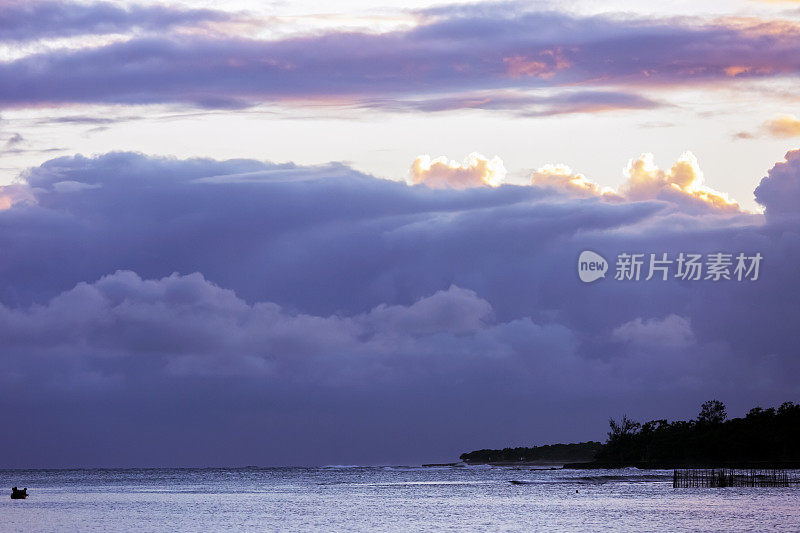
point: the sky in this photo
(273, 234)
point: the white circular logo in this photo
(591, 266)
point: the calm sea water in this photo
(384, 499)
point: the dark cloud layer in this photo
(29, 21)
(240, 312)
(492, 48)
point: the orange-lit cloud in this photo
(683, 181)
(645, 181)
(441, 173)
(759, 28)
(734, 71)
(563, 178)
(544, 65)
(783, 126)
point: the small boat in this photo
(19, 494)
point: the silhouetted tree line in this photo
(583, 451)
(762, 436)
(765, 437)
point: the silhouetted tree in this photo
(622, 445)
(625, 427)
(764, 436)
(788, 408)
(712, 412)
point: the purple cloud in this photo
(494, 48)
(286, 306)
(779, 191)
(28, 21)
(188, 326)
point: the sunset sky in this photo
(274, 233)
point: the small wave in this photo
(401, 484)
(599, 480)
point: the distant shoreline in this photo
(546, 455)
(760, 465)
(554, 464)
(595, 465)
(763, 439)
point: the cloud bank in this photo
(499, 47)
(246, 309)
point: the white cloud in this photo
(671, 331)
(441, 173)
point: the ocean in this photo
(390, 498)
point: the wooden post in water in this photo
(728, 477)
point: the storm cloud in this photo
(280, 305)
